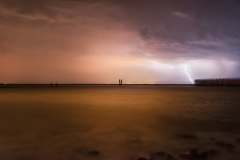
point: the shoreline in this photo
(80, 85)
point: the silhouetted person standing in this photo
(121, 82)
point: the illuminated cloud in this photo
(75, 41)
(180, 14)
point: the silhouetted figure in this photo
(121, 82)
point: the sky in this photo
(101, 41)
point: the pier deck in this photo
(218, 82)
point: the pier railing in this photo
(218, 82)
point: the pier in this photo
(234, 82)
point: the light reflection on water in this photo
(120, 122)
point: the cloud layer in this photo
(80, 41)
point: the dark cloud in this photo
(31, 8)
(65, 34)
(186, 22)
(144, 33)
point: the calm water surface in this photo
(125, 122)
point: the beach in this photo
(119, 122)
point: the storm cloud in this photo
(81, 41)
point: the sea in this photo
(111, 122)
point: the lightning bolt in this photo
(183, 67)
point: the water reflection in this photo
(114, 122)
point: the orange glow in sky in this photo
(102, 41)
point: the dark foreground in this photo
(111, 122)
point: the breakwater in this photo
(218, 82)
